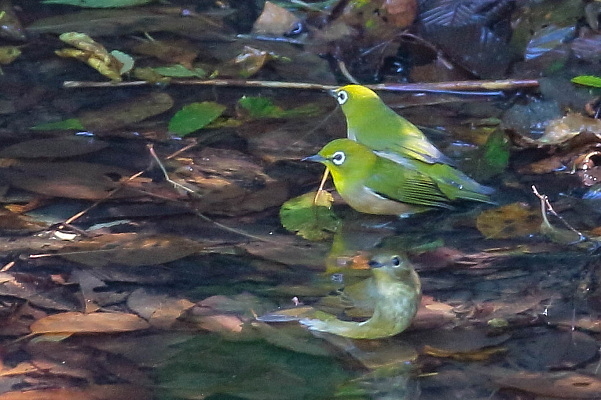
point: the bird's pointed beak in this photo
(375, 264)
(314, 158)
(332, 92)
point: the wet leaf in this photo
(563, 129)
(9, 54)
(16, 223)
(92, 53)
(161, 311)
(99, 3)
(475, 355)
(54, 147)
(569, 385)
(127, 112)
(67, 124)
(556, 349)
(509, 221)
(249, 62)
(228, 182)
(310, 215)
(91, 392)
(130, 250)
(109, 22)
(588, 80)
(37, 291)
(75, 180)
(262, 107)
(127, 61)
(179, 71)
(75, 322)
(194, 117)
(274, 20)
(180, 52)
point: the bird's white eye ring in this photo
(396, 261)
(342, 97)
(338, 158)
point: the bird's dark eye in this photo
(341, 97)
(338, 158)
(396, 261)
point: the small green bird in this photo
(375, 125)
(395, 293)
(373, 184)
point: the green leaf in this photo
(310, 217)
(491, 159)
(261, 107)
(496, 151)
(67, 124)
(125, 59)
(588, 80)
(194, 117)
(179, 71)
(99, 3)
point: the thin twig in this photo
(546, 207)
(433, 87)
(105, 198)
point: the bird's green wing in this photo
(453, 183)
(413, 143)
(457, 185)
(405, 185)
(421, 150)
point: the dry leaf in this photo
(76, 322)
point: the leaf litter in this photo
(500, 284)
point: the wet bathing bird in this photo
(373, 184)
(395, 293)
(375, 125)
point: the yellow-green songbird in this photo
(375, 125)
(376, 185)
(395, 291)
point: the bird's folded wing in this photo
(408, 186)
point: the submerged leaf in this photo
(8, 54)
(310, 216)
(179, 71)
(194, 117)
(76, 322)
(68, 146)
(66, 124)
(509, 221)
(274, 20)
(128, 112)
(99, 3)
(261, 107)
(131, 251)
(72, 179)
